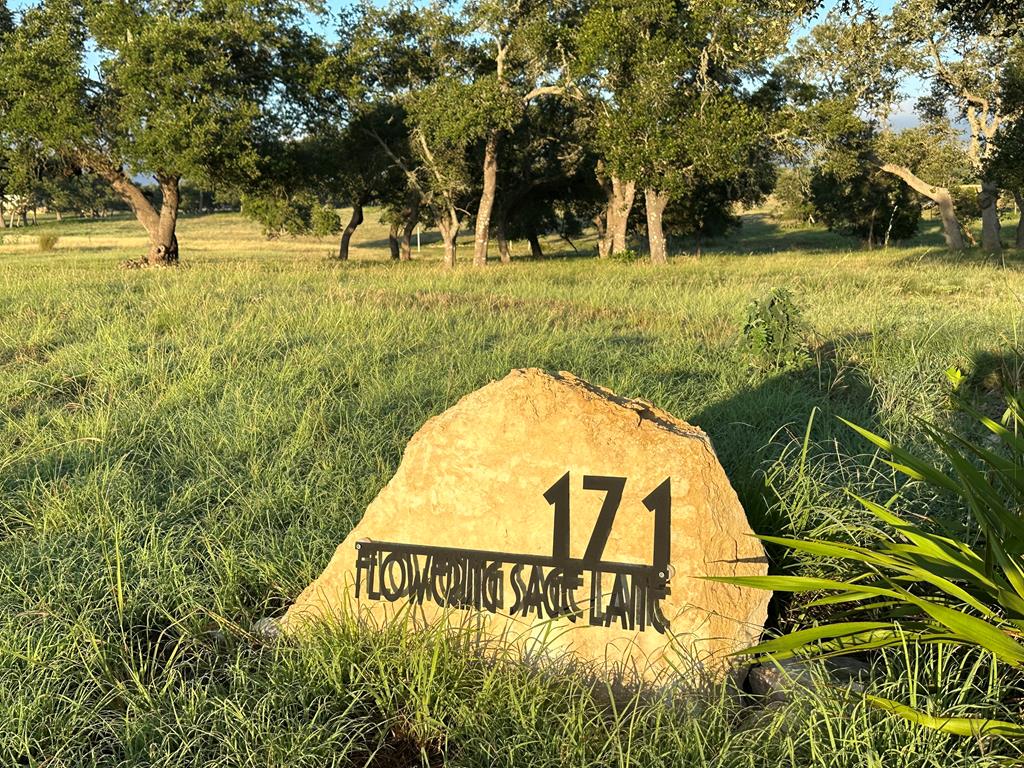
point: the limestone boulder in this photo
(556, 515)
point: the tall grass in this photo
(181, 451)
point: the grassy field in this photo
(181, 451)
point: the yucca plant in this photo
(941, 585)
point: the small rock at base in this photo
(267, 629)
(777, 681)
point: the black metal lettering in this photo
(558, 496)
(475, 579)
(612, 486)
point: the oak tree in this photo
(143, 88)
(668, 84)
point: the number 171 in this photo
(658, 501)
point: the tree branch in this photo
(414, 181)
(543, 90)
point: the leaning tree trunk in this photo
(3, 221)
(161, 227)
(483, 211)
(988, 199)
(448, 224)
(536, 251)
(393, 244)
(1018, 197)
(951, 229)
(620, 203)
(350, 228)
(411, 219)
(655, 202)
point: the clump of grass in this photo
(953, 582)
(47, 242)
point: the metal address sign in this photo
(547, 586)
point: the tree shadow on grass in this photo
(991, 376)
(772, 413)
(971, 257)
(560, 255)
(427, 237)
(749, 427)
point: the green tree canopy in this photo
(147, 87)
(863, 58)
(667, 82)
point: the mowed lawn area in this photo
(181, 450)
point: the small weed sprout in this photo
(775, 332)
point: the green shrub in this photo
(278, 215)
(792, 196)
(958, 584)
(324, 221)
(775, 332)
(47, 243)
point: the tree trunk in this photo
(393, 244)
(1018, 197)
(3, 221)
(57, 213)
(602, 234)
(951, 230)
(412, 218)
(483, 212)
(602, 221)
(163, 240)
(499, 232)
(988, 199)
(620, 203)
(536, 251)
(353, 224)
(655, 202)
(448, 224)
(163, 248)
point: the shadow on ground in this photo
(750, 427)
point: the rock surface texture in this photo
(489, 475)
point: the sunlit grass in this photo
(181, 450)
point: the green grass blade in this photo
(909, 464)
(959, 726)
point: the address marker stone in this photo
(554, 514)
